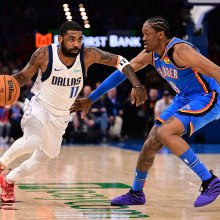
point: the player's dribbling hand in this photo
(140, 93)
(83, 104)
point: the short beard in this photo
(67, 52)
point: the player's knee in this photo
(32, 143)
(162, 134)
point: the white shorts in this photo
(54, 126)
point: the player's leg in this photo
(30, 141)
(145, 161)
(34, 165)
(169, 134)
(186, 121)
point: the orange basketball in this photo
(9, 90)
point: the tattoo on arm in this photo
(103, 56)
(39, 56)
(41, 53)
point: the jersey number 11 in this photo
(72, 91)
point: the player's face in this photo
(71, 43)
(150, 37)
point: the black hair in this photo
(159, 24)
(69, 25)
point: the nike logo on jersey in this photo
(63, 81)
(67, 121)
(156, 58)
(57, 69)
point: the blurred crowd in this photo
(19, 20)
(112, 117)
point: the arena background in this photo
(20, 21)
(85, 177)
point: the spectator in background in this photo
(97, 84)
(101, 118)
(4, 124)
(86, 91)
(114, 105)
(15, 114)
(5, 71)
(83, 132)
(150, 104)
(162, 104)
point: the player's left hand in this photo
(140, 93)
(83, 104)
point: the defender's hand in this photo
(83, 104)
(140, 93)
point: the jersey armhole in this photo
(171, 58)
(82, 62)
(48, 71)
(153, 62)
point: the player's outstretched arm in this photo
(39, 56)
(137, 63)
(95, 55)
(185, 55)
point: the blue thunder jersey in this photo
(186, 82)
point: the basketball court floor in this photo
(82, 181)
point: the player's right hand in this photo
(83, 104)
(140, 93)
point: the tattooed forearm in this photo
(20, 78)
(129, 72)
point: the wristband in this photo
(137, 86)
(121, 63)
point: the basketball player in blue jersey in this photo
(61, 72)
(196, 81)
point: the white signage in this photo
(115, 41)
(111, 41)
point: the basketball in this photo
(9, 90)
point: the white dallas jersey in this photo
(58, 87)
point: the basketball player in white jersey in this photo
(61, 72)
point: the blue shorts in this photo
(194, 113)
